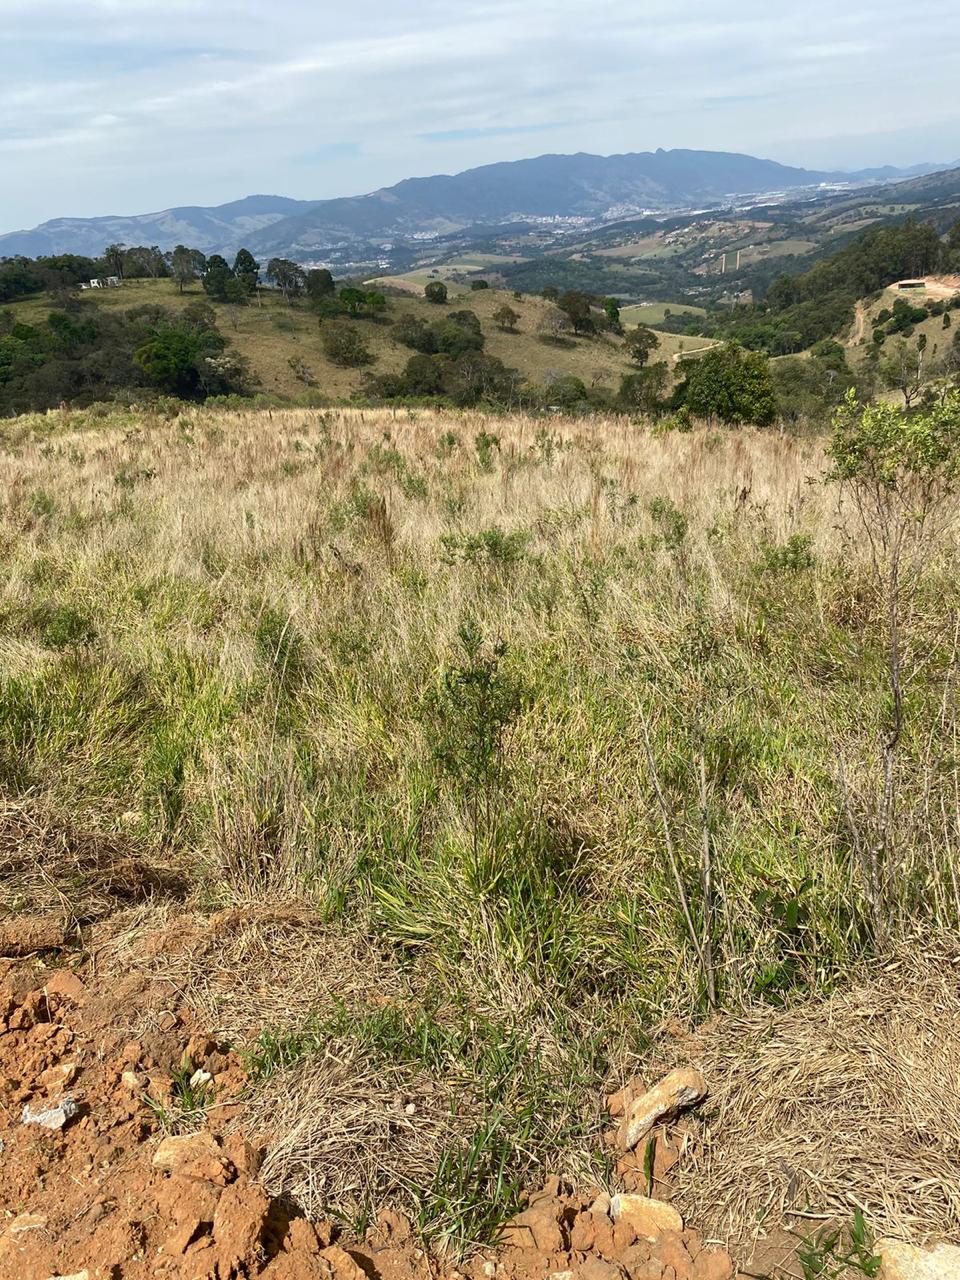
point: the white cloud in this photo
(120, 105)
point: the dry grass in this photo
(234, 642)
(832, 1106)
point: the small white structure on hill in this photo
(110, 282)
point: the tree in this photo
(362, 301)
(554, 325)
(506, 318)
(731, 384)
(576, 307)
(611, 308)
(900, 473)
(216, 277)
(169, 361)
(247, 270)
(287, 276)
(436, 291)
(550, 292)
(903, 368)
(477, 285)
(344, 345)
(641, 344)
(184, 265)
(319, 284)
(113, 256)
(644, 391)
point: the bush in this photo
(436, 291)
(731, 384)
(345, 346)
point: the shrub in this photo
(345, 346)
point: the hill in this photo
(283, 344)
(578, 186)
(217, 229)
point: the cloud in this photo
(125, 105)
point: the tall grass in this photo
(569, 716)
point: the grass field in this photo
(552, 731)
(654, 313)
(274, 333)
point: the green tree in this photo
(506, 318)
(247, 270)
(731, 384)
(640, 344)
(113, 258)
(576, 307)
(184, 265)
(169, 361)
(319, 284)
(344, 345)
(287, 276)
(216, 277)
(436, 291)
(645, 390)
(611, 309)
(477, 285)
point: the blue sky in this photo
(127, 106)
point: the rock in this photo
(26, 1222)
(77, 1275)
(54, 1116)
(680, 1089)
(536, 1228)
(131, 1081)
(594, 1268)
(342, 1265)
(66, 983)
(238, 1226)
(714, 1265)
(649, 1218)
(194, 1155)
(902, 1261)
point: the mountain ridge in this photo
(581, 185)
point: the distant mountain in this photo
(550, 186)
(223, 228)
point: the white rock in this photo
(77, 1275)
(26, 1222)
(649, 1218)
(51, 1117)
(680, 1089)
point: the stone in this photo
(26, 1222)
(537, 1227)
(54, 1116)
(194, 1155)
(342, 1265)
(65, 983)
(680, 1089)
(714, 1264)
(649, 1218)
(594, 1268)
(902, 1261)
(76, 1275)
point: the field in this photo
(479, 751)
(654, 313)
(272, 334)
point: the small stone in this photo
(77, 1275)
(66, 983)
(490, 1270)
(715, 1265)
(54, 1116)
(26, 1222)
(194, 1155)
(680, 1089)
(200, 1078)
(131, 1081)
(649, 1218)
(536, 1228)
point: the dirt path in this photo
(859, 326)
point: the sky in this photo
(130, 106)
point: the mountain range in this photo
(594, 188)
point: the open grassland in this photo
(552, 731)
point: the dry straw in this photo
(848, 1103)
